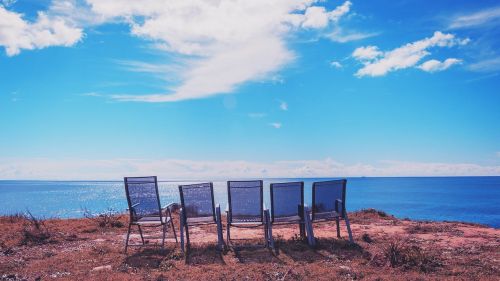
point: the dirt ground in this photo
(386, 248)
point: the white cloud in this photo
(377, 63)
(17, 34)
(226, 42)
(315, 17)
(173, 169)
(217, 45)
(318, 17)
(336, 64)
(283, 105)
(276, 125)
(487, 16)
(435, 65)
(492, 64)
(367, 53)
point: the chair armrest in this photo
(337, 203)
(133, 206)
(169, 205)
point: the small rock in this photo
(102, 267)
(345, 268)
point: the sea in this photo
(468, 199)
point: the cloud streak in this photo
(175, 169)
(378, 63)
(276, 125)
(477, 19)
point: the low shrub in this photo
(107, 219)
(34, 231)
(366, 237)
(400, 254)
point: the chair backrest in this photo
(324, 195)
(142, 197)
(245, 200)
(197, 200)
(287, 199)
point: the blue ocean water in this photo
(470, 199)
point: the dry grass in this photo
(35, 231)
(400, 253)
(429, 227)
(393, 253)
(107, 219)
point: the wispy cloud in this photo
(14, 96)
(335, 64)
(340, 36)
(487, 65)
(172, 169)
(257, 115)
(159, 70)
(379, 63)
(276, 125)
(283, 105)
(489, 16)
(91, 94)
(8, 3)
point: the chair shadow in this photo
(152, 258)
(251, 254)
(341, 248)
(298, 250)
(204, 254)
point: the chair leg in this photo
(228, 233)
(140, 232)
(348, 228)
(188, 245)
(220, 237)
(268, 231)
(173, 228)
(269, 226)
(266, 235)
(302, 230)
(338, 227)
(128, 235)
(181, 220)
(309, 229)
(164, 227)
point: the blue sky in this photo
(191, 89)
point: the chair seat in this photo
(152, 220)
(326, 215)
(200, 220)
(288, 219)
(246, 219)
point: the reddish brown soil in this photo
(387, 249)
